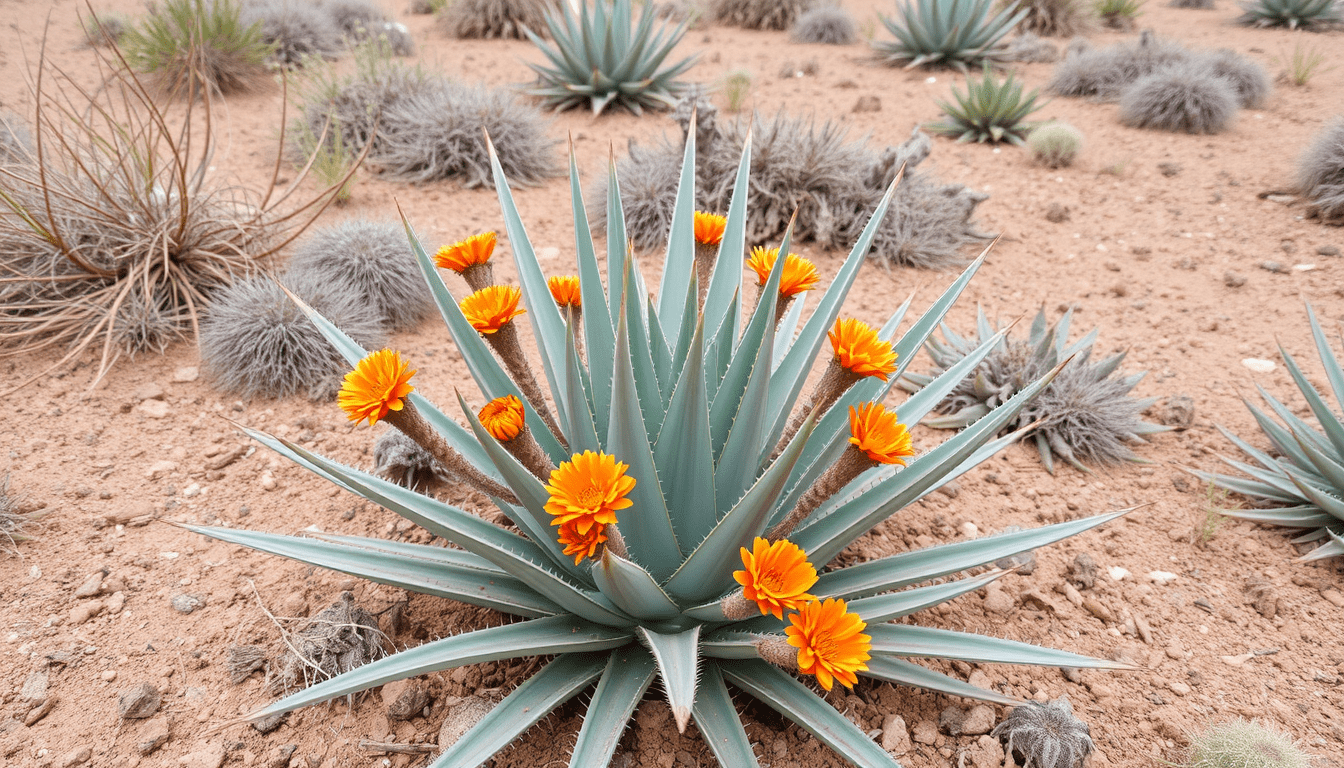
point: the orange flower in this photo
(709, 228)
(799, 274)
(777, 576)
(565, 291)
(830, 642)
(376, 386)
(582, 545)
(875, 431)
(476, 249)
(858, 348)
(503, 417)
(588, 490)
(489, 309)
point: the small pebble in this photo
(1117, 573)
(1161, 578)
(1259, 365)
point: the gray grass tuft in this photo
(16, 518)
(360, 20)
(796, 164)
(1030, 49)
(829, 25)
(16, 142)
(376, 260)
(492, 19)
(1245, 744)
(1086, 414)
(1248, 79)
(296, 30)
(1046, 735)
(1055, 145)
(255, 342)
(341, 637)
(1199, 5)
(1054, 18)
(104, 28)
(1320, 174)
(1183, 98)
(759, 14)
(1106, 72)
(400, 459)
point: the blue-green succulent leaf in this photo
(933, 643)
(904, 672)
(718, 723)
(683, 453)
(632, 589)
(677, 655)
(630, 670)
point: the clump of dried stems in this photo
(114, 232)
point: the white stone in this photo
(1258, 365)
(162, 467)
(186, 374)
(969, 530)
(1161, 578)
(154, 409)
(1117, 573)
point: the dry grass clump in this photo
(759, 14)
(1055, 145)
(1029, 48)
(799, 165)
(376, 260)
(1320, 174)
(103, 28)
(16, 519)
(117, 235)
(1247, 78)
(1188, 98)
(341, 637)
(1106, 72)
(256, 342)
(403, 461)
(1054, 18)
(1199, 5)
(16, 143)
(418, 127)
(187, 46)
(494, 19)
(296, 30)
(829, 25)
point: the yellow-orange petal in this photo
(858, 348)
(709, 228)
(776, 576)
(581, 545)
(830, 642)
(875, 431)
(503, 417)
(476, 249)
(588, 491)
(490, 308)
(378, 384)
(565, 291)
(799, 274)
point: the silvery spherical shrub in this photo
(1055, 145)
(375, 260)
(1181, 98)
(1320, 174)
(830, 25)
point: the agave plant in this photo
(674, 450)
(991, 110)
(602, 56)
(1289, 13)
(1084, 415)
(957, 33)
(1301, 483)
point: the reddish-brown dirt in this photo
(1142, 255)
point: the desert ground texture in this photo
(1161, 240)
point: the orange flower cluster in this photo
(875, 431)
(503, 417)
(377, 385)
(565, 291)
(858, 348)
(709, 228)
(476, 249)
(799, 274)
(490, 309)
(830, 646)
(586, 493)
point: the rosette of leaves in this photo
(1086, 414)
(956, 33)
(1299, 483)
(991, 110)
(693, 397)
(602, 56)
(1290, 13)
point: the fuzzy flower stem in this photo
(777, 651)
(852, 463)
(479, 276)
(705, 256)
(835, 382)
(529, 453)
(615, 542)
(737, 607)
(413, 425)
(510, 350)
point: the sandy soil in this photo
(1142, 255)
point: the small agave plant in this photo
(1290, 13)
(1301, 483)
(601, 56)
(991, 110)
(674, 511)
(954, 33)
